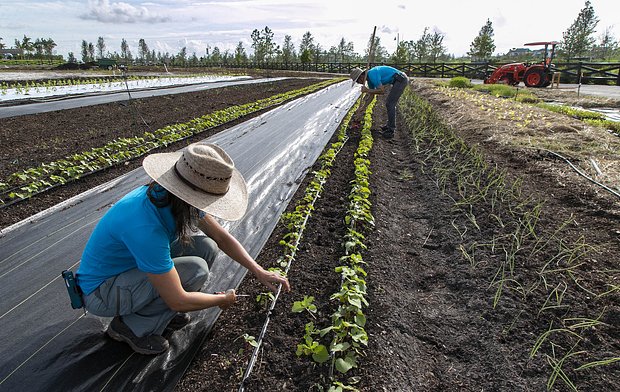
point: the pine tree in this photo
(436, 48)
(100, 47)
(344, 50)
(607, 45)
(306, 48)
(577, 40)
(125, 54)
(288, 49)
(420, 48)
(483, 45)
(379, 53)
(240, 55)
(143, 50)
(85, 58)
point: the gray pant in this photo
(400, 82)
(132, 296)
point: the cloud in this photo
(119, 12)
(387, 30)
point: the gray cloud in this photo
(387, 30)
(119, 12)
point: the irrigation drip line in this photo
(263, 331)
(583, 174)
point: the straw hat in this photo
(355, 73)
(202, 175)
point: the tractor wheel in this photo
(534, 78)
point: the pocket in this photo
(124, 301)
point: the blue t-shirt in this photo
(134, 233)
(381, 75)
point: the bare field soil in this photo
(28, 141)
(435, 321)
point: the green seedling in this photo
(340, 387)
(311, 347)
(305, 304)
(264, 298)
(249, 340)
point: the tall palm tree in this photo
(18, 46)
(27, 45)
(38, 49)
(48, 46)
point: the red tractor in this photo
(533, 75)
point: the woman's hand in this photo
(272, 280)
(230, 297)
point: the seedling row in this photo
(338, 340)
(99, 83)
(24, 184)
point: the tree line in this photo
(40, 48)
(578, 42)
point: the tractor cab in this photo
(533, 75)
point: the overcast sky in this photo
(169, 25)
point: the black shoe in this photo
(179, 321)
(148, 345)
(388, 134)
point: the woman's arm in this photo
(229, 245)
(169, 287)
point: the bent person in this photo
(377, 79)
(145, 262)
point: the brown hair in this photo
(185, 216)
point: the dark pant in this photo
(400, 82)
(132, 296)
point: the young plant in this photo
(311, 347)
(305, 305)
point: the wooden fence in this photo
(590, 73)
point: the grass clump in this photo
(498, 90)
(506, 91)
(460, 82)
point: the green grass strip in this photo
(572, 112)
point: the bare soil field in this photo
(28, 141)
(512, 289)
